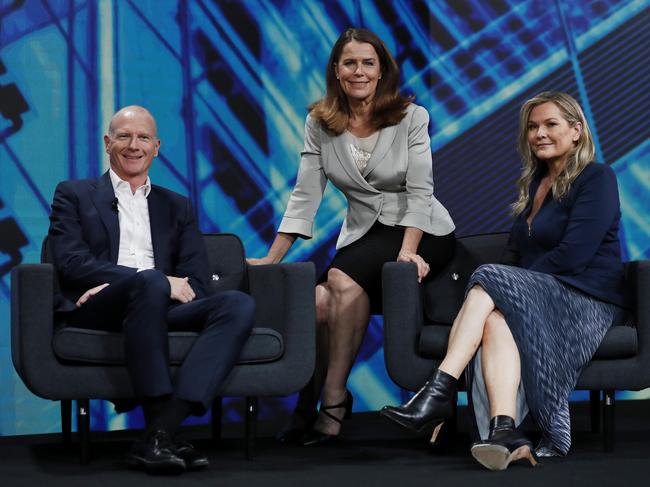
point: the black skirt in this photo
(363, 259)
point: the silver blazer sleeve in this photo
(419, 174)
(308, 192)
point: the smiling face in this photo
(131, 144)
(358, 70)
(550, 137)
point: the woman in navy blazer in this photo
(526, 330)
(373, 145)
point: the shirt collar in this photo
(118, 182)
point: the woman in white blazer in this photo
(373, 144)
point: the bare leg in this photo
(349, 311)
(501, 366)
(467, 332)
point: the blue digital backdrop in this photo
(229, 82)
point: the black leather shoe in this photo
(193, 459)
(294, 430)
(432, 404)
(315, 437)
(155, 452)
(504, 445)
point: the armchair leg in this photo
(608, 420)
(83, 428)
(66, 422)
(594, 410)
(217, 413)
(251, 426)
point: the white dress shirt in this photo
(136, 248)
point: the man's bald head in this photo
(132, 143)
(130, 112)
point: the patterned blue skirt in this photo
(557, 329)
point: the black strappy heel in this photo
(315, 437)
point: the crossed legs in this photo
(479, 323)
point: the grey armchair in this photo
(64, 363)
(417, 321)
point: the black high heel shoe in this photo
(431, 406)
(315, 437)
(504, 445)
(294, 430)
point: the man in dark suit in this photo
(130, 257)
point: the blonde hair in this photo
(580, 156)
(333, 110)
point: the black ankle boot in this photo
(504, 445)
(430, 406)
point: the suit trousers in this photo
(140, 307)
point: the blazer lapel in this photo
(384, 143)
(343, 154)
(158, 223)
(103, 197)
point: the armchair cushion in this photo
(104, 347)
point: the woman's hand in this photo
(263, 261)
(423, 267)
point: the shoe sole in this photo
(197, 465)
(498, 457)
(156, 467)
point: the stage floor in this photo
(371, 452)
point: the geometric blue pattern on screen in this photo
(229, 83)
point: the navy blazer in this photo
(84, 238)
(576, 239)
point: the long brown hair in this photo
(582, 154)
(333, 111)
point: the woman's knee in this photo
(339, 283)
(478, 296)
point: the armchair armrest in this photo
(32, 325)
(639, 281)
(631, 373)
(403, 321)
(285, 301)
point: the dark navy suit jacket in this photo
(575, 239)
(84, 238)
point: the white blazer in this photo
(395, 188)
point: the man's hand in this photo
(181, 289)
(91, 292)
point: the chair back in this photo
(227, 262)
(444, 294)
